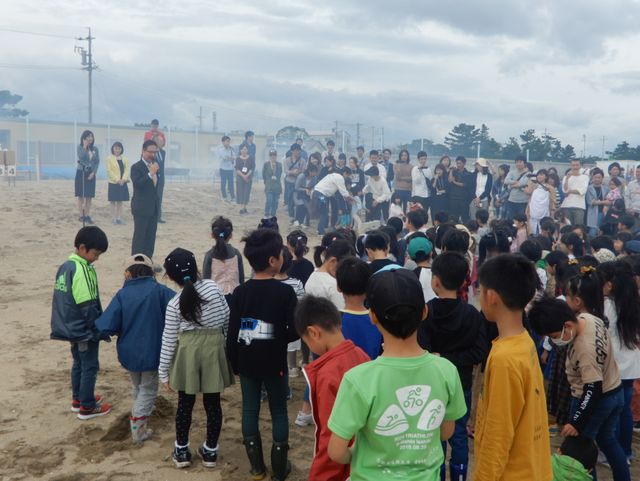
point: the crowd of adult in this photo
(146, 176)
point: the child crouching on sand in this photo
(193, 358)
(136, 315)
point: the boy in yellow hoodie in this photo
(512, 437)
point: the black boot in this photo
(253, 445)
(280, 465)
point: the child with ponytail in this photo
(622, 308)
(300, 268)
(193, 358)
(592, 372)
(223, 263)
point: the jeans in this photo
(601, 427)
(459, 442)
(405, 196)
(271, 206)
(226, 181)
(514, 208)
(84, 372)
(624, 433)
(277, 390)
(378, 212)
(145, 391)
(289, 189)
(322, 205)
(575, 215)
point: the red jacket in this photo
(324, 376)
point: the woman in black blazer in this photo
(480, 189)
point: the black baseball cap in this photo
(393, 287)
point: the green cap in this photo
(419, 244)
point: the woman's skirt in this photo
(87, 188)
(200, 363)
(118, 193)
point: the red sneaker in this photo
(99, 410)
(75, 404)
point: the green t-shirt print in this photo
(395, 407)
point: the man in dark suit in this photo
(145, 203)
(160, 158)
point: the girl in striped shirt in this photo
(193, 358)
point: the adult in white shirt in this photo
(632, 194)
(376, 195)
(374, 160)
(420, 182)
(325, 190)
(575, 185)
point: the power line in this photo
(35, 67)
(40, 34)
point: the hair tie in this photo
(186, 278)
(221, 235)
(299, 237)
(585, 270)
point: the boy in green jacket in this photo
(75, 307)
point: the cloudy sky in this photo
(415, 67)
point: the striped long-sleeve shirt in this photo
(215, 313)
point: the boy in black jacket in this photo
(260, 327)
(454, 330)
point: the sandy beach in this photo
(39, 437)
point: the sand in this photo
(39, 437)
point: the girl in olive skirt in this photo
(193, 358)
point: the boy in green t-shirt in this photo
(401, 405)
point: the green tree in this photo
(511, 149)
(8, 107)
(462, 140)
(489, 147)
(536, 146)
(624, 151)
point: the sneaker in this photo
(209, 456)
(303, 419)
(89, 220)
(162, 221)
(181, 457)
(99, 410)
(294, 372)
(296, 224)
(75, 404)
(602, 460)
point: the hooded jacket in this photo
(136, 315)
(76, 302)
(568, 469)
(324, 376)
(456, 331)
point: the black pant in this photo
(374, 213)
(144, 234)
(459, 210)
(160, 191)
(211, 403)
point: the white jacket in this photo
(419, 186)
(378, 189)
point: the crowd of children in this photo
(402, 370)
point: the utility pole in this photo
(357, 134)
(200, 120)
(382, 138)
(603, 139)
(373, 137)
(584, 146)
(335, 133)
(89, 66)
(214, 119)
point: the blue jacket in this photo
(136, 315)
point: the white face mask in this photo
(561, 342)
